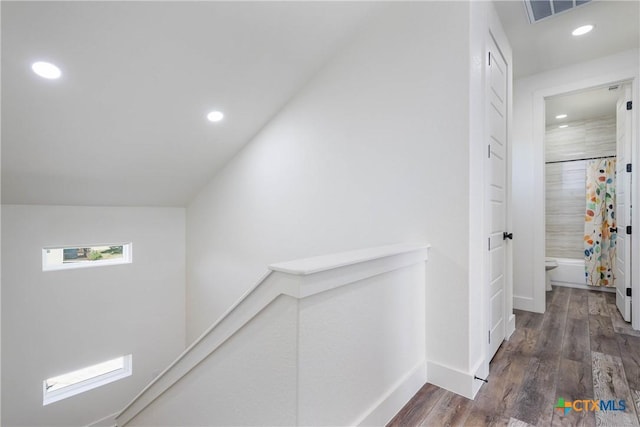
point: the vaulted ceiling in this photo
(126, 123)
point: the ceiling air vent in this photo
(538, 10)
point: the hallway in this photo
(579, 349)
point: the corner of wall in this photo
(108, 421)
(397, 397)
(452, 379)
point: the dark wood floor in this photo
(579, 349)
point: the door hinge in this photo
(628, 229)
(489, 243)
(489, 333)
(489, 151)
(490, 66)
(628, 292)
(628, 167)
(629, 103)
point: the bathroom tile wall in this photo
(565, 182)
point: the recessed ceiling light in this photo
(215, 116)
(582, 30)
(46, 70)
(563, 126)
(561, 116)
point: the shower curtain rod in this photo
(578, 160)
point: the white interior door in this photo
(495, 193)
(623, 204)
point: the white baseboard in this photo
(398, 395)
(108, 421)
(511, 326)
(523, 303)
(481, 370)
(581, 286)
(452, 379)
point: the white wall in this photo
(374, 150)
(58, 321)
(0, 256)
(249, 381)
(335, 341)
(359, 346)
(528, 163)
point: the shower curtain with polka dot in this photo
(600, 223)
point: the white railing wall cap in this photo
(317, 264)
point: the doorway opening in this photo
(587, 188)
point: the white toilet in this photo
(549, 264)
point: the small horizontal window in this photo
(76, 382)
(63, 258)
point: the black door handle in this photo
(506, 236)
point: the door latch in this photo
(506, 236)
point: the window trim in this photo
(127, 257)
(49, 397)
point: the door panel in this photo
(496, 124)
(497, 312)
(498, 76)
(497, 266)
(497, 172)
(495, 194)
(497, 215)
(623, 205)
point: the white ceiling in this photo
(125, 125)
(583, 105)
(548, 44)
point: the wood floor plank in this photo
(575, 380)
(419, 407)
(610, 383)
(546, 416)
(560, 296)
(602, 336)
(619, 324)
(574, 418)
(597, 303)
(549, 343)
(500, 394)
(610, 297)
(550, 340)
(630, 355)
(535, 399)
(523, 341)
(451, 410)
(517, 423)
(636, 400)
(578, 305)
(480, 418)
(528, 319)
(576, 342)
